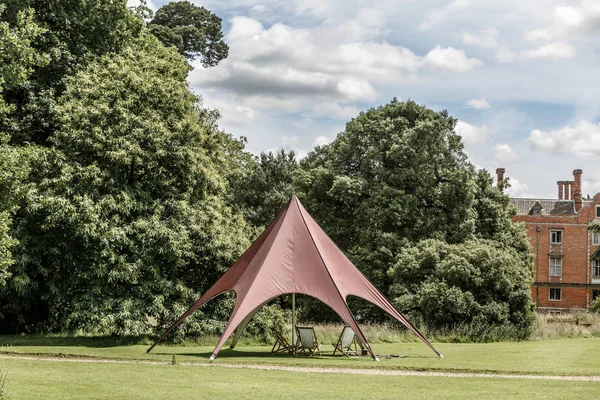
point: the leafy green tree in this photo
(476, 282)
(194, 31)
(396, 176)
(74, 33)
(399, 170)
(128, 221)
(17, 60)
(264, 186)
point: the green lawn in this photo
(65, 380)
(40, 379)
(547, 357)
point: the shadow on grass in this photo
(223, 354)
(73, 341)
(240, 353)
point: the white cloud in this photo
(450, 59)
(553, 51)
(583, 139)
(439, 16)
(478, 104)
(321, 141)
(488, 38)
(149, 3)
(288, 70)
(518, 188)
(471, 134)
(569, 22)
(538, 35)
(333, 110)
(505, 55)
(591, 183)
(289, 143)
(504, 154)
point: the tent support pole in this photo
(294, 322)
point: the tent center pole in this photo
(294, 322)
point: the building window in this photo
(554, 313)
(596, 269)
(595, 294)
(597, 211)
(596, 238)
(556, 237)
(556, 266)
(555, 294)
(535, 211)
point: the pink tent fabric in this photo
(293, 255)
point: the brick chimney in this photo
(500, 178)
(571, 190)
(577, 189)
(560, 189)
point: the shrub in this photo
(595, 307)
(3, 384)
(269, 317)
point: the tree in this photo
(73, 33)
(17, 61)
(263, 186)
(128, 221)
(193, 31)
(398, 175)
(478, 282)
(399, 170)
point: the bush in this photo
(269, 317)
(468, 287)
(595, 307)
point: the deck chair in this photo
(345, 342)
(307, 341)
(281, 345)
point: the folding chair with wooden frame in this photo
(281, 345)
(345, 342)
(307, 341)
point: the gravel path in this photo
(354, 371)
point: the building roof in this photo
(549, 206)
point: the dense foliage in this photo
(478, 281)
(121, 200)
(125, 218)
(194, 31)
(75, 32)
(264, 186)
(399, 170)
(17, 61)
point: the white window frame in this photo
(596, 238)
(555, 291)
(559, 234)
(555, 268)
(596, 269)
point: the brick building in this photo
(565, 277)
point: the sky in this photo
(522, 77)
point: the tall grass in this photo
(544, 327)
(3, 384)
(566, 326)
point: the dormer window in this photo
(536, 209)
